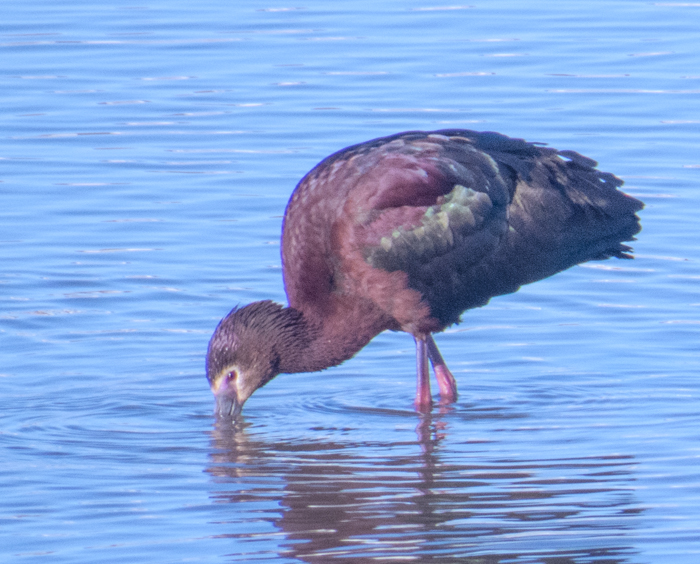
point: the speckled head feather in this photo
(271, 327)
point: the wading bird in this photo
(407, 232)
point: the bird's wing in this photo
(426, 198)
(432, 208)
(426, 225)
(464, 224)
(467, 216)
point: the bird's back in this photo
(427, 224)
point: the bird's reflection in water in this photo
(431, 429)
(334, 498)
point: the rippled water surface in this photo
(147, 152)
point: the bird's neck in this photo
(332, 334)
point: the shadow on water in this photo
(397, 501)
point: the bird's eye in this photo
(231, 376)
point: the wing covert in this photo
(447, 227)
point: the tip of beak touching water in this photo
(227, 398)
(228, 406)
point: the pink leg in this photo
(446, 382)
(423, 399)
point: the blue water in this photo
(147, 152)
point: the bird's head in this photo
(246, 351)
